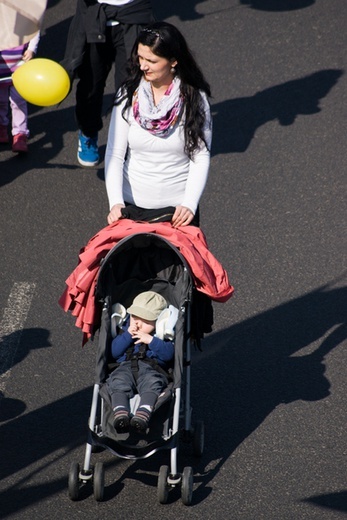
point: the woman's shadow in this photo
(255, 366)
(242, 117)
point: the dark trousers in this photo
(122, 384)
(93, 73)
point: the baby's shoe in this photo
(121, 420)
(20, 143)
(3, 134)
(139, 422)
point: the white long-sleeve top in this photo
(154, 172)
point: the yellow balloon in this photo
(42, 82)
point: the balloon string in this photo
(20, 62)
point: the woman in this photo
(158, 150)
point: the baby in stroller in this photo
(142, 361)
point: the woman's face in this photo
(156, 69)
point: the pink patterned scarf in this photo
(157, 119)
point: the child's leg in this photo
(4, 105)
(19, 109)
(121, 387)
(150, 384)
(120, 407)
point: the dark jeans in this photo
(122, 386)
(93, 73)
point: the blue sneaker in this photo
(88, 152)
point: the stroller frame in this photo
(173, 279)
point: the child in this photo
(143, 359)
(10, 60)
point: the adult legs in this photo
(93, 73)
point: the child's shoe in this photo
(20, 143)
(139, 422)
(121, 420)
(3, 134)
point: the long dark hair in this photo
(166, 41)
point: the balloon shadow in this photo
(242, 117)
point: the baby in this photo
(142, 359)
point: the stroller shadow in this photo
(265, 368)
(243, 116)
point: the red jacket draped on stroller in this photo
(209, 276)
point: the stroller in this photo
(137, 263)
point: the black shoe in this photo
(121, 423)
(138, 424)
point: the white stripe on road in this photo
(11, 326)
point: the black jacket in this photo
(89, 26)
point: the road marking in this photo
(11, 326)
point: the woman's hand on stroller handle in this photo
(115, 213)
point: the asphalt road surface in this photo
(271, 381)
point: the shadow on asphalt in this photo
(278, 5)
(188, 10)
(282, 103)
(242, 117)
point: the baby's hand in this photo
(132, 329)
(142, 337)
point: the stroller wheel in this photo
(99, 481)
(163, 488)
(187, 486)
(74, 487)
(198, 438)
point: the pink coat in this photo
(209, 276)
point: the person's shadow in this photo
(10, 355)
(181, 8)
(243, 116)
(257, 365)
(187, 10)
